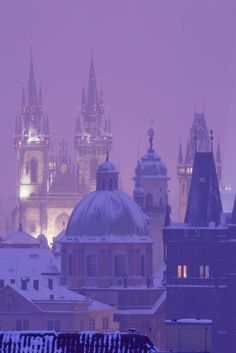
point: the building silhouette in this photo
(198, 140)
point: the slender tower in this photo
(31, 142)
(198, 141)
(92, 134)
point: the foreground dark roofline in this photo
(52, 342)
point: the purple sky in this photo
(153, 58)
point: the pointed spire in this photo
(47, 130)
(78, 129)
(32, 91)
(40, 96)
(23, 100)
(16, 126)
(204, 204)
(180, 157)
(187, 156)
(92, 98)
(218, 154)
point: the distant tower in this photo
(92, 134)
(198, 141)
(31, 142)
(151, 193)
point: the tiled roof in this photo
(204, 204)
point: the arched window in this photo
(33, 170)
(120, 265)
(148, 201)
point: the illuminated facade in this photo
(48, 187)
(92, 134)
(199, 140)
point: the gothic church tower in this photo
(31, 142)
(93, 136)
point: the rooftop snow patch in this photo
(51, 342)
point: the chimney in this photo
(24, 284)
(36, 284)
(2, 283)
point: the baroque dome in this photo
(107, 212)
(151, 164)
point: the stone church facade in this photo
(49, 186)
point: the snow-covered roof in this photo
(18, 263)
(20, 237)
(190, 321)
(103, 213)
(39, 342)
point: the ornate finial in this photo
(195, 140)
(211, 139)
(20, 228)
(151, 133)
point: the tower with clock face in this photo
(93, 138)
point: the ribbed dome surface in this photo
(107, 167)
(151, 165)
(107, 213)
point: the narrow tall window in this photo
(92, 325)
(33, 170)
(91, 265)
(70, 264)
(105, 323)
(148, 201)
(204, 271)
(182, 271)
(142, 265)
(120, 266)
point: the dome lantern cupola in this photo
(107, 176)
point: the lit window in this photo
(204, 271)
(182, 271)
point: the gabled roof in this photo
(204, 205)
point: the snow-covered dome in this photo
(107, 167)
(107, 211)
(151, 164)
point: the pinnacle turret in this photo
(180, 157)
